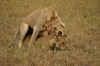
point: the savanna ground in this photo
(82, 20)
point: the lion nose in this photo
(68, 48)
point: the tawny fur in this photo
(40, 20)
(55, 41)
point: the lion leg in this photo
(34, 35)
(23, 31)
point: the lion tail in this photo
(15, 37)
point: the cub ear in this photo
(60, 33)
(54, 36)
(64, 35)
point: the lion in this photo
(40, 20)
(57, 41)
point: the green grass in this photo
(82, 20)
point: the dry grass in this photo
(82, 19)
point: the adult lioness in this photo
(39, 21)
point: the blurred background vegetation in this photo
(82, 20)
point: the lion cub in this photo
(57, 41)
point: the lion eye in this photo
(55, 28)
(63, 43)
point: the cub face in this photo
(59, 42)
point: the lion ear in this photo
(54, 36)
(64, 35)
(60, 33)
